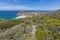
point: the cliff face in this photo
(30, 14)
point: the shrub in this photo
(15, 33)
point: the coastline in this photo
(19, 17)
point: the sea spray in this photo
(19, 17)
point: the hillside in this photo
(41, 26)
(30, 14)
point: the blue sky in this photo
(29, 4)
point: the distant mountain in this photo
(54, 14)
(58, 10)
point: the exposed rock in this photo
(47, 38)
(48, 29)
(58, 29)
(30, 14)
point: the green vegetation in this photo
(47, 28)
(41, 34)
(17, 32)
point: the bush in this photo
(15, 33)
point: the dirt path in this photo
(33, 32)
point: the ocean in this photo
(13, 14)
(8, 14)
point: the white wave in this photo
(20, 17)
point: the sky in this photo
(29, 4)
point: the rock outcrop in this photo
(30, 14)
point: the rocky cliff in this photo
(31, 14)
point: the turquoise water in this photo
(13, 14)
(8, 14)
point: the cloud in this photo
(2, 3)
(14, 8)
(26, 8)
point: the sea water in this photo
(8, 14)
(13, 14)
